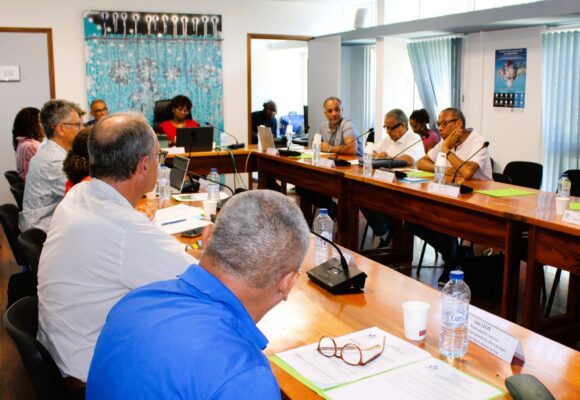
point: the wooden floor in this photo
(15, 384)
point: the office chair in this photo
(17, 190)
(21, 322)
(497, 177)
(574, 176)
(9, 220)
(525, 173)
(13, 177)
(31, 242)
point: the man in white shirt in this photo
(458, 143)
(46, 180)
(401, 143)
(98, 247)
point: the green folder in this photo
(507, 192)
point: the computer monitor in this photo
(177, 173)
(195, 139)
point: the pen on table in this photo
(173, 222)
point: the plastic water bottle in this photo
(213, 189)
(289, 136)
(455, 298)
(316, 153)
(163, 183)
(368, 159)
(323, 225)
(564, 186)
(440, 167)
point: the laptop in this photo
(177, 174)
(195, 139)
(266, 137)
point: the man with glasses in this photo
(196, 337)
(402, 143)
(99, 110)
(458, 144)
(46, 180)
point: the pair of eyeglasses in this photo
(443, 124)
(98, 110)
(350, 353)
(392, 128)
(79, 124)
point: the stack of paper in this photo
(180, 218)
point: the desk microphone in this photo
(463, 188)
(339, 162)
(335, 276)
(392, 162)
(238, 145)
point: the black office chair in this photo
(17, 190)
(13, 177)
(9, 220)
(525, 173)
(163, 112)
(497, 177)
(31, 242)
(21, 322)
(574, 176)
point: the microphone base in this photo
(191, 186)
(331, 277)
(339, 162)
(463, 189)
(236, 146)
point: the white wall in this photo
(512, 135)
(239, 18)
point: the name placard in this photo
(445, 190)
(384, 176)
(271, 151)
(572, 217)
(483, 331)
(325, 162)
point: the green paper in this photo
(286, 367)
(303, 155)
(419, 174)
(507, 192)
(574, 206)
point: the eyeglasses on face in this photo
(350, 353)
(79, 124)
(392, 128)
(443, 124)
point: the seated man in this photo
(46, 180)
(196, 337)
(266, 117)
(99, 247)
(99, 110)
(401, 143)
(458, 143)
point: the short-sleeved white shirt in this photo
(393, 148)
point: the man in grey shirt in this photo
(46, 180)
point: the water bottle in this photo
(564, 186)
(316, 153)
(323, 225)
(223, 139)
(213, 189)
(368, 160)
(163, 183)
(289, 136)
(440, 167)
(455, 298)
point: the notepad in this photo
(574, 206)
(418, 174)
(303, 155)
(507, 192)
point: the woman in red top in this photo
(418, 121)
(181, 108)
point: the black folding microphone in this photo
(483, 146)
(339, 162)
(336, 276)
(238, 145)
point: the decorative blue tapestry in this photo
(134, 59)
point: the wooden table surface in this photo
(311, 312)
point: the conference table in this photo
(311, 312)
(495, 222)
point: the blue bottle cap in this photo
(457, 275)
(323, 211)
(213, 170)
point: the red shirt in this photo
(170, 130)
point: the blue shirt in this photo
(343, 130)
(187, 338)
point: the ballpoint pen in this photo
(173, 222)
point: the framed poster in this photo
(510, 78)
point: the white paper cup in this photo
(209, 208)
(562, 204)
(415, 317)
(152, 194)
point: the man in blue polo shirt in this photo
(195, 336)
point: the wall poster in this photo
(510, 78)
